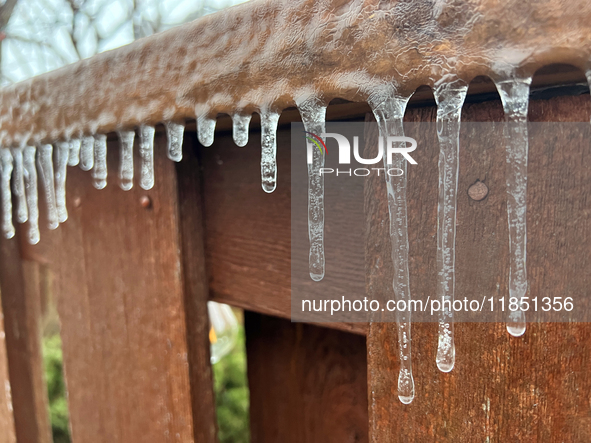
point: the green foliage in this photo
(56, 388)
(231, 395)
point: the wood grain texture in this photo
(307, 383)
(525, 389)
(7, 430)
(21, 305)
(196, 292)
(118, 282)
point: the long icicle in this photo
(147, 156)
(313, 112)
(18, 185)
(6, 172)
(45, 170)
(30, 173)
(174, 140)
(99, 170)
(514, 94)
(390, 115)
(269, 120)
(450, 98)
(62, 153)
(126, 160)
(240, 123)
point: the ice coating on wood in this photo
(18, 185)
(449, 96)
(87, 153)
(6, 172)
(514, 93)
(222, 63)
(30, 173)
(390, 114)
(74, 156)
(61, 168)
(174, 140)
(147, 156)
(240, 123)
(313, 113)
(126, 160)
(205, 130)
(99, 170)
(45, 170)
(269, 120)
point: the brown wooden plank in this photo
(307, 383)
(502, 388)
(120, 293)
(21, 305)
(196, 290)
(7, 430)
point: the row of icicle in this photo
(25, 166)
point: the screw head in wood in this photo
(478, 191)
(145, 202)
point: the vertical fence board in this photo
(7, 431)
(118, 282)
(307, 383)
(21, 304)
(196, 290)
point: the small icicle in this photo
(45, 170)
(30, 173)
(205, 130)
(126, 165)
(99, 170)
(18, 185)
(240, 123)
(147, 156)
(269, 120)
(390, 115)
(74, 155)
(313, 112)
(450, 98)
(62, 153)
(6, 172)
(514, 94)
(87, 153)
(174, 137)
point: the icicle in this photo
(62, 153)
(18, 185)
(450, 98)
(87, 153)
(313, 113)
(126, 165)
(174, 136)
(6, 172)
(30, 174)
(269, 121)
(45, 169)
(205, 130)
(74, 155)
(389, 115)
(515, 97)
(99, 170)
(240, 123)
(147, 156)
